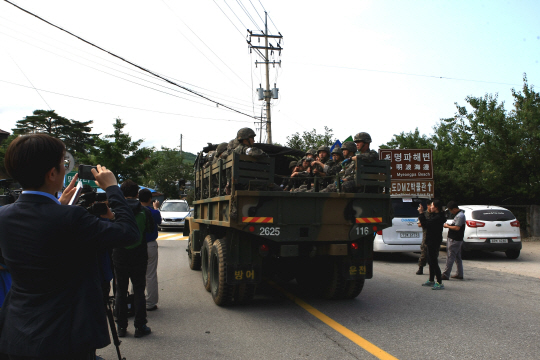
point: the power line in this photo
(248, 14)
(122, 106)
(133, 64)
(229, 19)
(407, 74)
(107, 60)
(204, 45)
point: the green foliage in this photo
(310, 139)
(124, 157)
(485, 154)
(75, 134)
(169, 166)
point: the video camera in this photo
(12, 190)
(93, 202)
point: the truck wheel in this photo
(334, 283)
(221, 291)
(194, 259)
(353, 288)
(205, 260)
(512, 253)
(244, 293)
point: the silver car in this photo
(173, 213)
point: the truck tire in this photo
(244, 293)
(194, 259)
(205, 260)
(221, 291)
(353, 288)
(512, 253)
(333, 282)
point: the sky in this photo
(383, 67)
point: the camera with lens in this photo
(12, 191)
(92, 201)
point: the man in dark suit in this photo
(55, 308)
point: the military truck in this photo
(244, 229)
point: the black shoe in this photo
(420, 271)
(444, 277)
(152, 308)
(142, 331)
(121, 331)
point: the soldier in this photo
(220, 151)
(337, 158)
(246, 139)
(322, 166)
(311, 153)
(346, 168)
(362, 141)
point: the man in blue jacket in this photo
(55, 308)
(152, 295)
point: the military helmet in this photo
(245, 133)
(362, 136)
(292, 164)
(337, 150)
(349, 145)
(221, 148)
(323, 148)
(311, 152)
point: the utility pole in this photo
(267, 94)
(180, 143)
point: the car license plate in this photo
(409, 235)
(498, 241)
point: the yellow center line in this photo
(358, 340)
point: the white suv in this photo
(491, 228)
(404, 235)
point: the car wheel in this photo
(512, 253)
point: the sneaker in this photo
(444, 277)
(121, 331)
(429, 283)
(142, 331)
(457, 277)
(437, 286)
(420, 271)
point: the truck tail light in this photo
(514, 223)
(264, 250)
(379, 232)
(475, 224)
(354, 246)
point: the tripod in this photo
(116, 340)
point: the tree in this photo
(75, 134)
(125, 158)
(310, 139)
(170, 167)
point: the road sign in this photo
(409, 164)
(413, 188)
(70, 176)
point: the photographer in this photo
(54, 309)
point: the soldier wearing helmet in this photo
(362, 141)
(246, 139)
(311, 153)
(323, 164)
(221, 152)
(337, 155)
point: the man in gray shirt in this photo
(456, 230)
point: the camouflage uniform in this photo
(241, 148)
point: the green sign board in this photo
(70, 176)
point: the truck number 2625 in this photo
(269, 231)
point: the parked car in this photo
(491, 228)
(173, 213)
(404, 235)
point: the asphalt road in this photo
(492, 314)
